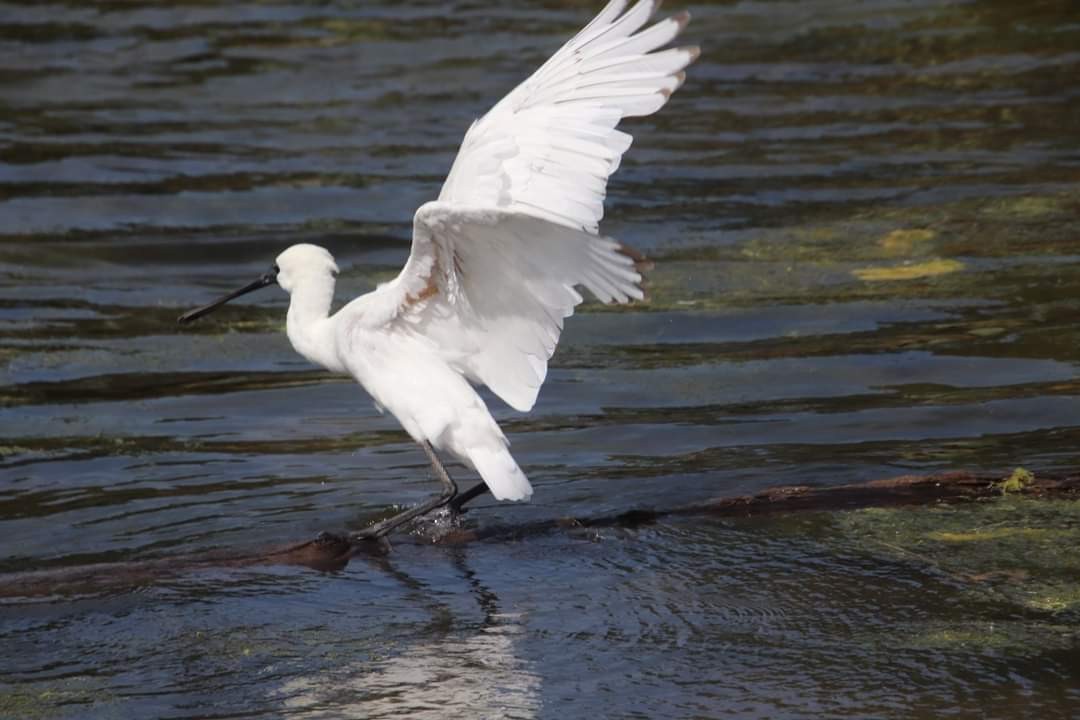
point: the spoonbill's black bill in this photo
(266, 279)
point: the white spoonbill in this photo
(496, 261)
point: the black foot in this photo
(458, 503)
(380, 530)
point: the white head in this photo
(304, 263)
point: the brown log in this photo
(329, 552)
(949, 487)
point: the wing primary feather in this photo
(611, 11)
(626, 24)
(664, 62)
(645, 41)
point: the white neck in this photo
(308, 326)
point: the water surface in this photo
(863, 218)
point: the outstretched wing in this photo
(548, 148)
(495, 262)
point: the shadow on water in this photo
(863, 219)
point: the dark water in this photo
(864, 221)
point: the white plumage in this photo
(496, 261)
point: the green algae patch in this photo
(1016, 482)
(1014, 637)
(953, 636)
(999, 534)
(1029, 207)
(1055, 598)
(27, 703)
(909, 271)
(56, 698)
(906, 242)
(1006, 568)
(1015, 550)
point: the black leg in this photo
(381, 529)
(472, 493)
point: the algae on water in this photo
(1016, 482)
(1018, 550)
(909, 271)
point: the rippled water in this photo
(864, 222)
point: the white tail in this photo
(501, 473)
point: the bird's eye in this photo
(275, 269)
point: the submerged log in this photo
(949, 487)
(329, 552)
